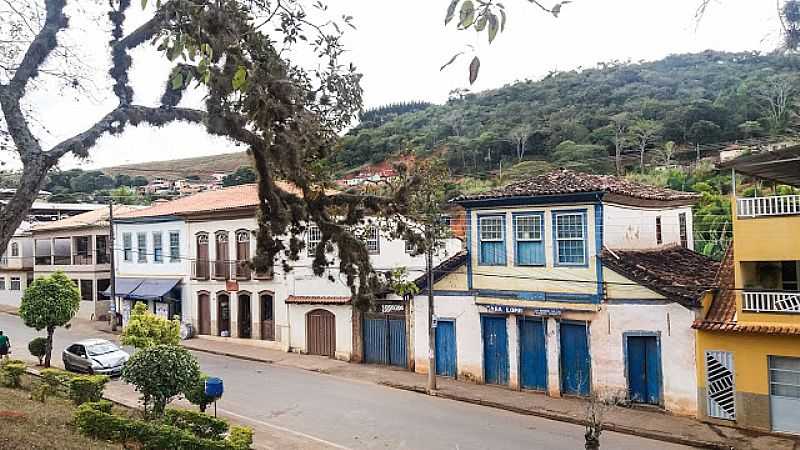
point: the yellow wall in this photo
(619, 287)
(455, 281)
(550, 278)
(766, 238)
(750, 352)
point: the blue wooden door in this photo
(644, 370)
(375, 341)
(532, 354)
(575, 364)
(446, 348)
(397, 342)
(495, 350)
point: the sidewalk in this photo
(640, 422)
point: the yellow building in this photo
(748, 357)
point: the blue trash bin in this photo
(214, 387)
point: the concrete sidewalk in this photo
(640, 422)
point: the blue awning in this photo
(124, 286)
(154, 288)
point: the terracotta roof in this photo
(443, 269)
(96, 218)
(721, 314)
(318, 300)
(234, 197)
(675, 272)
(564, 181)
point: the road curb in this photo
(565, 418)
(230, 355)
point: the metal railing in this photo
(223, 270)
(771, 302)
(780, 205)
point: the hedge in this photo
(11, 373)
(87, 388)
(95, 420)
(198, 423)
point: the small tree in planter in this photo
(146, 329)
(48, 303)
(161, 373)
(197, 394)
(38, 348)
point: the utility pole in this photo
(431, 316)
(113, 293)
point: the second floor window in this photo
(158, 249)
(141, 247)
(44, 255)
(529, 240)
(174, 246)
(659, 240)
(313, 238)
(570, 239)
(127, 247)
(62, 250)
(101, 249)
(16, 284)
(83, 250)
(14, 249)
(683, 230)
(2, 283)
(372, 240)
(491, 237)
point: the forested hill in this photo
(690, 98)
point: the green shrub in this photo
(11, 373)
(160, 374)
(87, 388)
(95, 420)
(198, 423)
(51, 382)
(197, 393)
(38, 348)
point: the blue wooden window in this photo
(569, 229)
(492, 240)
(529, 239)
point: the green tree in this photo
(644, 132)
(125, 196)
(196, 395)
(123, 180)
(145, 329)
(49, 302)
(139, 181)
(159, 374)
(243, 175)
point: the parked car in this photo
(97, 356)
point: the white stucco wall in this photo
(631, 228)
(673, 325)
(7, 295)
(344, 328)
(165, 269)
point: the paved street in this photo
(330, 412)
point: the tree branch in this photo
(40, 48)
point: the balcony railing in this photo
(771, 302)
(223, 270)
(781, 205)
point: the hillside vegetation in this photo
(579, 118)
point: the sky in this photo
(399, 47)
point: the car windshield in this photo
(101, 349)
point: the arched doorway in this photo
(321, 333)
(267, 316)
(224, 314)
(203, 313)
(245, 316)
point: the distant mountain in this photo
(567, 117)
(201, 166)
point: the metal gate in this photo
(321, 333)
(446, 348)
(576, 369)
(495, 350)
(784, 390)
(532, 354)
(385, 340)
(720, 391)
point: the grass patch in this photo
(28, 424)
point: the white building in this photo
(224, 298)
(16, 266)
(572, 284)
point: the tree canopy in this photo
(49, 302)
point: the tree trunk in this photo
(49, 347)
(618, 159)
(17, 209)
(641, 158)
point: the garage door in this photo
(784, 389)
(385, 340)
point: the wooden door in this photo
(267, 317)
(321, 333)
(644, 369)
(224, 314)
(446, 364)
(221, 266)
(201, 264)
(532, 354)
(495, 350)
(576, 369)
(245, 317)
(204, 314)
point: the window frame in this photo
(582, 213)
(63, 257)
(127, 246)
(2, 283)
(15, 249)
(683, 229)
(311, 244)
(37, 256)
(659, 234)
(101, 256)
(502, 239)
(18, 283)
(175, 250)
(141, 256)
(376, 239)
(90, 283)
(158, 250)
(517, 240)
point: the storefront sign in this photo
(547, 312)
(386, 309)
(504, 309)
(231, 285)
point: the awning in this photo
(154, 288)
(124, 286)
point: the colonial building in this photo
(212, 233)
(572, 284)
(748, 357)
(79, 246)
(16, 266)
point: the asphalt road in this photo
(336, 412)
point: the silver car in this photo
(95, 356)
